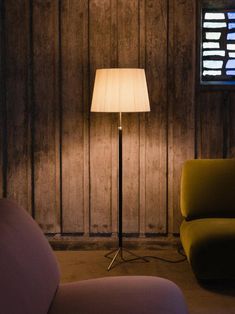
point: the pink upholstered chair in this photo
(30, 279)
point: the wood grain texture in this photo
(142, 141)
(100, 124)
(216, 4)
(2, 96)
(230, 125)
(181, 119)
(128, 56)
(17, 102)
(210, 125)
(114, 63)
(73, 32)
(156, 125)
(86, 122)
(46, 115)
(51, 52)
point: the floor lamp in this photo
(120, 90)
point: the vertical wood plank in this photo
(142, 134)
(18, 118)
(2, 95)
(156, 124)
(86, 121)
(100, 124)
(231, 126)
(46, 115)
(181, 70)
(128, 56)
(73, 18)
(210, 129)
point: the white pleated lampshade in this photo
(120, 90)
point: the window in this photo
(217, 49)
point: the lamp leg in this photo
(119, 252)
(114, 258)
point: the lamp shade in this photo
(120, 90)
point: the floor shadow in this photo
(223, 287)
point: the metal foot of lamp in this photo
(120, 90)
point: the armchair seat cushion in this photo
(126, 295)
(209, 244)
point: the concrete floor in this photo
(209, 299)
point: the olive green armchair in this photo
(208, 207)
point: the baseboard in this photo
(65, 242)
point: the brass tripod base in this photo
(119, 252)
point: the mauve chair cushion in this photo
(119, 295)
(29, 274)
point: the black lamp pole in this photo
(120, 249)
(120, 181)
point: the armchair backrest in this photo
(208, 188)
(29, 274)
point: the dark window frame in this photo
(208, 4)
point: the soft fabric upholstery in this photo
(120, 295)
(208, 188)
(29, 279)
(210, 247)
(208, 205)
(29, 274)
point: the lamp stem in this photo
(121, 249)
(120, 121)
(120, 182)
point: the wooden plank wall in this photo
(2, 98)
(58, 160)
(17, 120)
(46, 163)
(181, 102)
